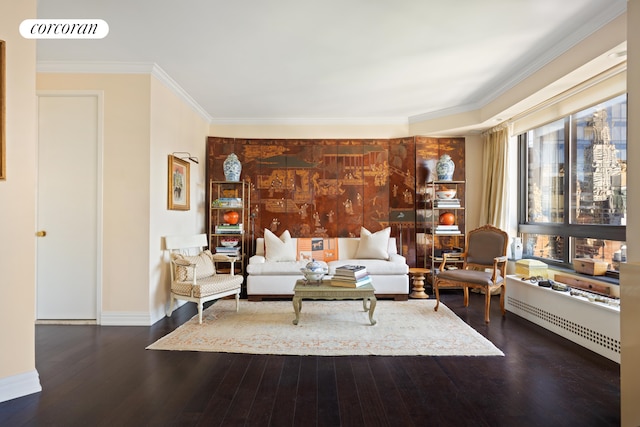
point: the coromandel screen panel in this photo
(332, 187)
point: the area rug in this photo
(329, 328)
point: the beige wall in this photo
(630, 273)
(144, 122)
(126, 159)
(17, 201)
(473, 175)
(174, 127)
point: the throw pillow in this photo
(204, 266)
(373, 245)
(279, 249)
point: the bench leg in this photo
(199, 311)
(171, 300)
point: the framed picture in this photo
(3, 152)
(178, 194)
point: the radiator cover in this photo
(593, 325)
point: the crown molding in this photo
(431, 115)
(94, 67)
(538, 60)
(528, 66)
(161, 75)
(312, 121)
(104, 67)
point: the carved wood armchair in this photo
(484, 265)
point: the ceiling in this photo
(332, 60)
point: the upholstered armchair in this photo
(193, 273)
(484, 265)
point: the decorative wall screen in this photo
(332, 187)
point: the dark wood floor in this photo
(103, 376)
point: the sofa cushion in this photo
(287, 268)
(204, 266)
(279, 249)
(373, 245)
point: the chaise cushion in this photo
(373, 245)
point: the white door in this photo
(67, 253)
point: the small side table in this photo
(418, 282)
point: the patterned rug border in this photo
(329, 328)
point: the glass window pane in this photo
(546, 173)
(543, 246)
(611, 251)
(599, 175)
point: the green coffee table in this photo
(325, 291)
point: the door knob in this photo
(41, 233)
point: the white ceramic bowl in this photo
(313, 276)
(446, 194)
(229, 243)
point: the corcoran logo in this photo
(64, 29)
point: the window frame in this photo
(566, 229)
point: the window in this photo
(573, 178)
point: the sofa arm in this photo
(397, 258)
(257, 259)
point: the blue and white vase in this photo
(445, 168)
(232, 168)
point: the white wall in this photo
(18, 375)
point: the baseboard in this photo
(132, 318)
(19, 385)
(124, 318)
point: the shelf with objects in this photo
(442, 223)
(228, 219)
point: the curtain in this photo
(493, 206)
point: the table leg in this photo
(372, 307)
(297, 305)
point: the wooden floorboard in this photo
(103, 376)
(285, 398)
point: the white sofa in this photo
(271, 279)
